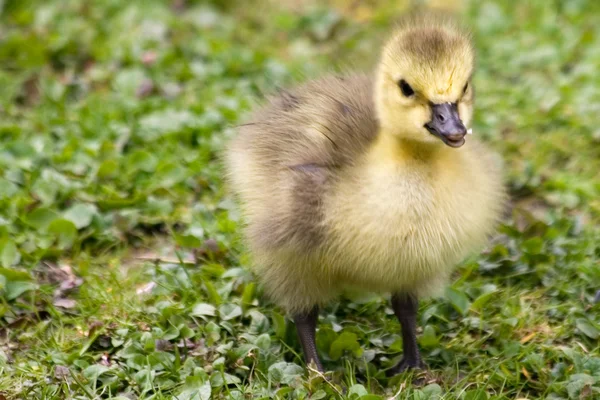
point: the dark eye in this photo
(466, 87)
(406, 89)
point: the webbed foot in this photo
(405, 365)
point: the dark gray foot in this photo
(405, 365)
(597, 298)
(306, 325)
(405, 307)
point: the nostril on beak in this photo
(441, 117)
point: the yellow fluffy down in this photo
(392, 225)
(337, 195)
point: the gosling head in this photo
(423, 88)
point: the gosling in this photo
(369, 182)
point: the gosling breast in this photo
(328, 205)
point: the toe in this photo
(405, 365)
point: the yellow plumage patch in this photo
(341, 186)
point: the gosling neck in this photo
(389, 146)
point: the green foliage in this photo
(121, 272)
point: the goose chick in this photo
(368, 182)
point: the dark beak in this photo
(446, 124)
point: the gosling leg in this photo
(405, 307)
(306, 325)
(597, 298)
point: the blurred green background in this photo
(121, 272)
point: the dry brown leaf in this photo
(61, 372)
(64, 303)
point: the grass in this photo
(122, 275)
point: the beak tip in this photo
(446, 124)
